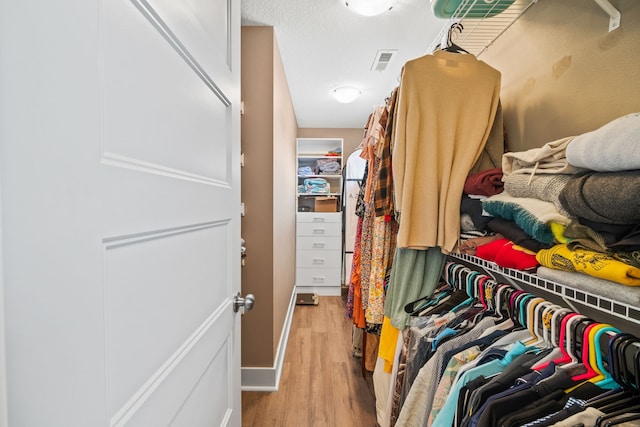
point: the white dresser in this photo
(319, 252)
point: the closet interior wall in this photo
(564, 73)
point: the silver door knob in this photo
(245, 303)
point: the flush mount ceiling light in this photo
(370, 7)
(346, 94)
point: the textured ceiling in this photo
(325, 45)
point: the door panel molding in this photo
(116, 160)
(157, 291)
(211, 348)
(159, 24)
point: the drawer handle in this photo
(318, 260)
(318, 245)
(315, 219)
(318, 231)
(318, 278)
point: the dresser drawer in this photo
(319, 242)
(318, 259)
(319, 217)
(317, 276)
(319, 229)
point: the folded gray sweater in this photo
(544, 187)
(606, 197)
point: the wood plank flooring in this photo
(322, 383)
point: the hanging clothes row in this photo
(443, 121)
(374, 239)
(434, 151)
(482, 353)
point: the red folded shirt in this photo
(505, 254)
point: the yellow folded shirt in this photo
(596, 264)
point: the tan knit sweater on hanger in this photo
(446, 107)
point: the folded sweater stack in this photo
(576, 197)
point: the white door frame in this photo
(3, 366)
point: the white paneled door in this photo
(120, 156)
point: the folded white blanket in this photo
(610, 148)
(550, 158)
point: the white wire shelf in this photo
(610, 306)
(480, 32)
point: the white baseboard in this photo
(268, 379)
(334, 291)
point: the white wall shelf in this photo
(480, 32)
(618, 309)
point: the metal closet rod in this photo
(603, 304)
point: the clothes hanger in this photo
(482, 284)
(566, 341)
(450, 273)
(518, 299)
(557, 314)
(579, 346)
(605, 379)
(451, 46)
(621, 405)
(622, 420)
(527, 316)
(556, 322)
(470, 291)
(602, 421)
(481, 291)
(630, 358)
(617, 408)
(586, 329)
(428, 300)
(610, 341)
(618, 363)
(534, 316)
(489, 292)
(547, 323)
(512, 297)
(501, 296)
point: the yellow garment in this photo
(521, 249)
(446, 106)
(388, 342)
(596, 264)
(558, 232)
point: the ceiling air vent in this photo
(384, 57)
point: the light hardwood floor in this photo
(322, 383)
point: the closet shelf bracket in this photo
(614, 14)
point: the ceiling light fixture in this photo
(346, 94)
(370, 7)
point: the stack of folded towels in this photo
(316, 186)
